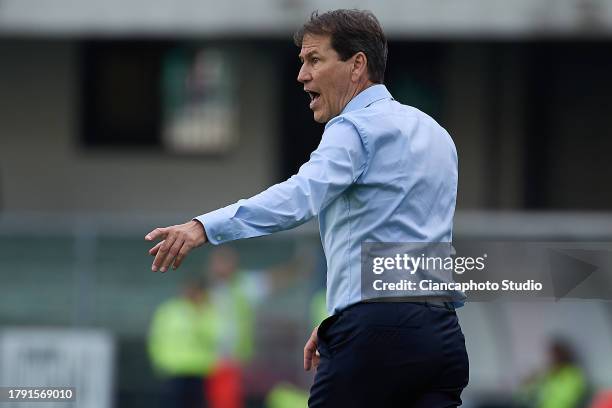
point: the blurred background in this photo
(120, 116)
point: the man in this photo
(383, 172)
(233, 303)
(182, 346)
(563, 384)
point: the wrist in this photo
(202, 231)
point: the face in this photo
(223, 264)
(328, 81)
(193, 293)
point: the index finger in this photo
(157, 233)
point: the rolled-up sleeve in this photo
(337, 162)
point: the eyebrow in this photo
(308, 54)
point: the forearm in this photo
(336, 164)
(281, 207)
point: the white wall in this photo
(529, 18)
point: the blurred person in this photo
(231, 298)
(286, 395)
(182, 346)
(563, 384)
(383, 172)
(235, 293)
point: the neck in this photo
(360, 87)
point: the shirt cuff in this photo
(217, 225)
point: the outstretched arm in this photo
(337, 162)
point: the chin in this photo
(319, 118)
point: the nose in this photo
(304, 74)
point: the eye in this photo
(315, 60)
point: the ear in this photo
(360, 66)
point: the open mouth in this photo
(314, 97)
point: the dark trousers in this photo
(185, 392)
(408, 355)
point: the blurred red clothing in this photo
(224, 386)
(603, 399)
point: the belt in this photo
(435, 303)
(445, 305)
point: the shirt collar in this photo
(367, 97)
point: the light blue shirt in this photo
(383, 172)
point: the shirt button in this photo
(218, 237)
